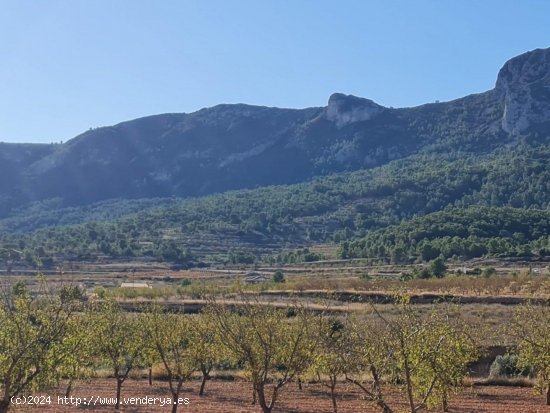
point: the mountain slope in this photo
(240, 146)
(14, 161)
(394, 199)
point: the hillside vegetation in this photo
(464, 178)
(405, 195)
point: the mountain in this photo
(454, 204)
(240, 146)
(14, 161)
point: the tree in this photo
(119, 341)
(424, 273)
(76, 350)
(273, 347)
(278, 277)
(531, 328)
(171, 251)
(329, 364)
(9, 255)
(149, 356)
(441, 364)
(31, 330)
(171, 335)
(398, 255)
(204, 346)
(343, 250)
(428, 252)
(429, 354)
(426, 355)
(438, 267)
(367, 360)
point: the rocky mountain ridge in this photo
(241, 146)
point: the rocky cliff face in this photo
(524, 85)
(345, 109)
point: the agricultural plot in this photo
(428, 323)
(235, 397)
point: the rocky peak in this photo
(525, 69)
(524, 85)
(345, 109)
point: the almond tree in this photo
(75, 351)
(367, 360)
(149, 354)
(445, 348)
(119, 341)
(330, 359)
(531, 328)
(170, 336)
(427, 355)
(274, 347)
(204, 346)
(31, 328)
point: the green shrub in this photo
(507, 366)
(474, 271)
(424, 274)
(185, 282)
(278, 277)
(406, 276)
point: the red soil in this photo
(236, 397)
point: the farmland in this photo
(480, 295)
(234, 397)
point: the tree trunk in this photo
(408, 380)
(118, 390)
(69, 388)
(378, 391)
(376, 394)
(174, 403)
(150, 376)
(445, 404)
(548, 395)
(176, 394)
(175, 397)
(203, 383)
(4, 406)
(260, 391)
(299, 384)
(333, 395)
(386, 409)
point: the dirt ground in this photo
(235, 397)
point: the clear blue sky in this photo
(68, 65)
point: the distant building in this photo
(135, 285)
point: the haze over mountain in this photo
(240, 146)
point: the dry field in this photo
(235, 397)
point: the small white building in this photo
(135, 285)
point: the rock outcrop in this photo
(346, 109)
(524, 85)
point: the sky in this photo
(70, 65)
